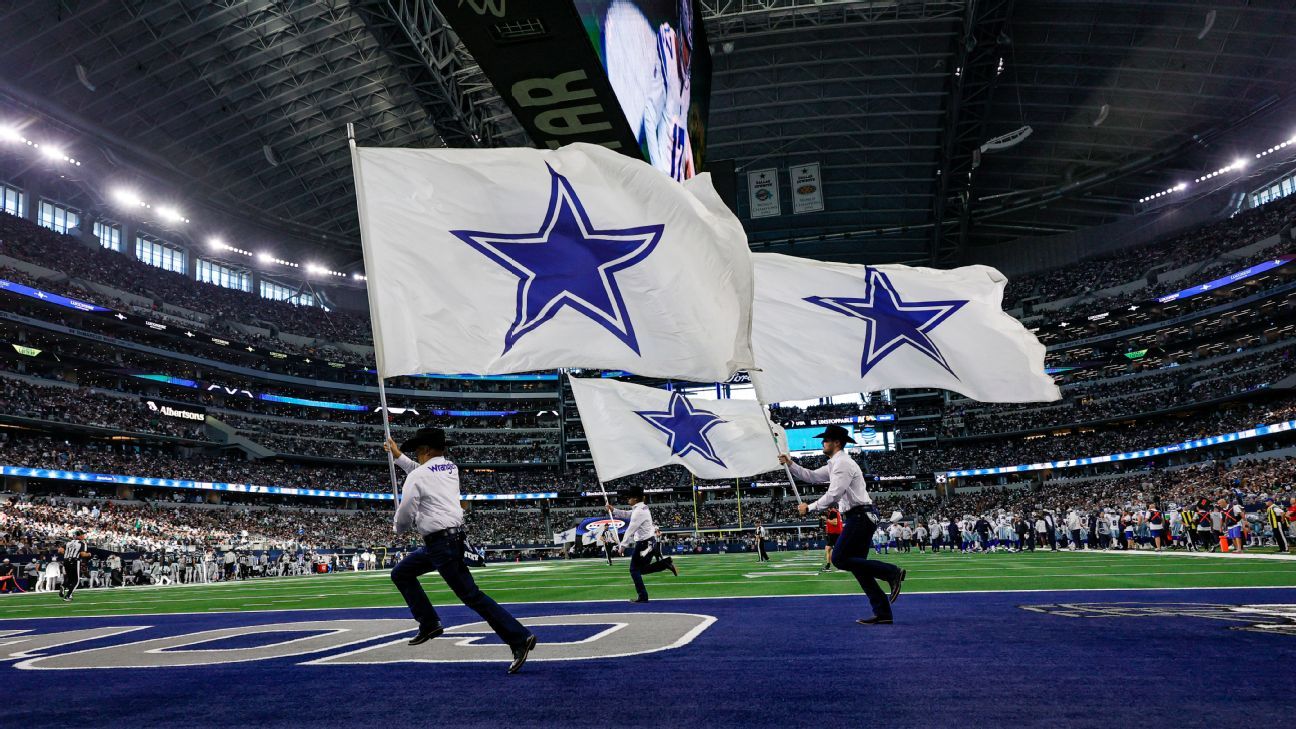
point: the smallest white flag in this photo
(633, 428)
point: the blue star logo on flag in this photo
(890, 321)
(685, 427)
(567, 263)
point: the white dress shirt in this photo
(640, 526)
(845, 482)
(430, 498)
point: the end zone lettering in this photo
(609, 635)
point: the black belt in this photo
(860, 510)
(437, 536)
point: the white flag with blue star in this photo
(632, 428)
(492, 261)
(823, 328)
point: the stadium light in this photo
(1240, 163)
(128, 197)
(11, 134)
(54, 153)
(221, 245)
(171, 215)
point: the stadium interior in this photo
(188, 371)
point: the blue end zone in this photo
(1071, 659)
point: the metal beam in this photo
(421, 43)
(728, 18)
(974, 76)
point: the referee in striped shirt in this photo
(73, 552)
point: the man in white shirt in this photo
(608, 539)
(846, 489)
(640, 538)
(430, 506)
(1073, 524)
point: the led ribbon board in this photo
(1131, 455)
(1189, 292)
(1232, 278)
(245, 488)
(48, 297)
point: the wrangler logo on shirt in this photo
(441, 467)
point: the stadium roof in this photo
(242, 104)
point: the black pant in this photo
(1280, 538)
(642, 563)
(760, 550)
(607, 551)
(445, 556)
(71, 576)
(851, 554)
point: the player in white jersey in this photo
(650, 71)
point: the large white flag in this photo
(510, 260)
(827, 328)
(633, 428)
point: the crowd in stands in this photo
(34, 527)
(26, 241)
(1115, 513)
(1119, 438)
(85, 406)
(37, 526)
(1130, 263)
(466, 454)
(157, 462)
(785, 413)
(373, 432)
(1143, 298)
(1132, 397)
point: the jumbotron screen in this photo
(656, 58)
(867, 437)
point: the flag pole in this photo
(379, 370)
(696, 493)
(607, 503)
(738, 491)
(764, 408)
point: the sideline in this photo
(667, 600)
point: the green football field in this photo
(789, 573)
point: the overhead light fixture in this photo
(53, 153)
(127, 197)
(171, 215)
(11, 134)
